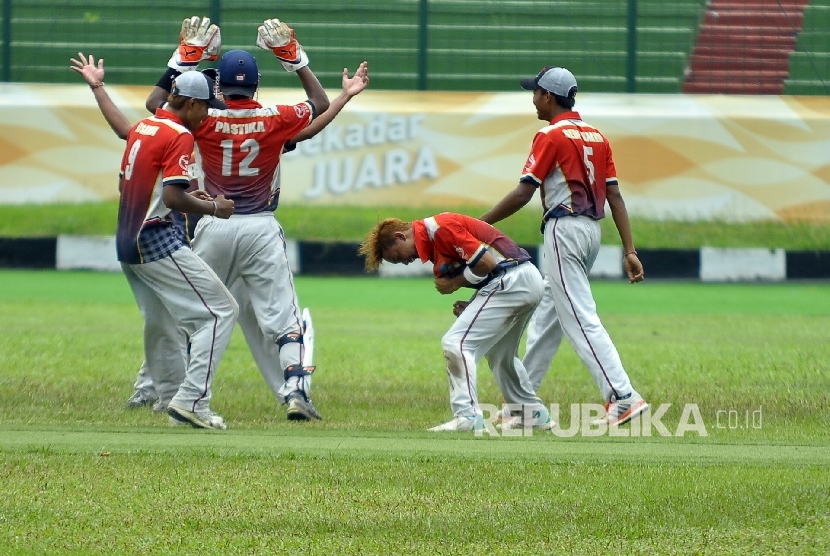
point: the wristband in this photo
(96, 85)
(630, 253)
(214, 208)
(471, 277)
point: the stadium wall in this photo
(707, 264)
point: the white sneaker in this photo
(461, 424)
(197, 419)
(620, 411)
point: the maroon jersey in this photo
(157, 155)
(452, 241)
(571, 163)
(240, 151)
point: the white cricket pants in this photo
(544, 334)
(251, 248)
(265, 352)
(491, 326)
(201, 307)
(571, 247)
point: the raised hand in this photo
(354, 85)
(198, 40)
(92, 74)
(278, 37)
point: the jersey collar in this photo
(423, 245)
(241, 104)
(167, 115)
(571, 115)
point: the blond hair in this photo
(380, 238)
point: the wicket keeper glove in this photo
(198, 40)
(276, 36)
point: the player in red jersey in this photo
(199, 36)
(571, 164)
(239, 151)
(466, 252)
(167, 279)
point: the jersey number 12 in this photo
(249, 146)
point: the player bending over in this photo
(466, 252)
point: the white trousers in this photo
(265, 352)
(183, 290)
(492, 326)
(571, 247)
(252, 249)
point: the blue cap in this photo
(238, 74)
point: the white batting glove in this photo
(276, 36)
(198, 40)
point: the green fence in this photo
(611, 45)
(810, 63)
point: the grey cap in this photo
(558, 81)
(195, 84)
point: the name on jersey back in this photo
(587, 136)
(240, 129)
(144, 129)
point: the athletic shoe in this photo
(173, 422)
(622, 410)
(160, 406)
(461, 424)
(139, 399)
(541, 420)
(197, 419)
(504, 414)
(301, 409)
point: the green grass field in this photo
(83, 475)
(351, 224)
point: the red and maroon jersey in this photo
(452, 241)
(157, 155)
(571, 163)
(240, 151)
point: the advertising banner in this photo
(678, 157)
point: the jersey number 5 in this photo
(587, 152)
(249, 146)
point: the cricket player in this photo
(167, 279)
(571, 164)
(466, 252)
(203, 41)
(239, 149)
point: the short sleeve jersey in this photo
(452, 241)
(240, 151)
(157, 156)
(571, 163)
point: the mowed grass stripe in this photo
(137, 443)
(372, 293)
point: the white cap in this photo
(558, 81)
(195, 84)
